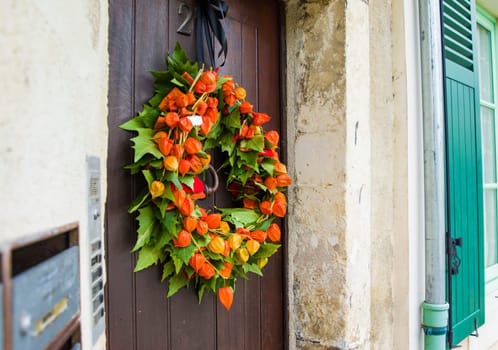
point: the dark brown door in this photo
(139, 316)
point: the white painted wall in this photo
(53, 94)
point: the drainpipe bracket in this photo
(435, 319)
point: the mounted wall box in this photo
(41, 291)
(96, 278)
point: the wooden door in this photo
(139, 316)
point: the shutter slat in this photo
(457, 24)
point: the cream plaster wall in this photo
(54, 69)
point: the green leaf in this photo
(148, 177)
(226, 143)
(173, 177)
(248, 158)
(139, 200)
(187, 180)
(257, 143)
(143, 144)
(177, 262)
(200, 292)
(266, 250)
(132, 124)
(168, 193)
(171, 222)
(156, 100)
(184, 254)
(168, 270)
(145, 227)
(176, 283)
(145, 119)
(162, 76)
(239, 216)
(176, 82)
(148, 255)
(268, 165)
(254, 268)
(233, 120)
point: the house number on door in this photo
(186, 10)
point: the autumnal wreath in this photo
(192, 111)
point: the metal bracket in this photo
(476, 330)
(453, 256)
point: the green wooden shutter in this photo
(463, 170)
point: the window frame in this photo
(489, 22)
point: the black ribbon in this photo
(210, 20)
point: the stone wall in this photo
(347, 114)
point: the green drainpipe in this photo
(435, 325)
(435, 307)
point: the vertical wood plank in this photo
(120, 282)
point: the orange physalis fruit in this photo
(274, 232)
(156, 189)
(208, 78)
(213, 221)
(245, 107)
(260, 118)
(283, 180)
(185, 124)
(279, 209)
(226, 251)
(262, 262)
(170, 163)
(205, 159)
(272, 137)
(240, 93)
(181, 101)
(201, 108)
(258, 235)
(206, 125)
(179, 195)
(235, 241)
(280, 168)
(183, 240)
(250, 203)
(226, 271)
(160, 123)
(183, 166)
(188, 77)
(252, 246)
(190, 98)
(228, 87)
(225, 296)
(177, 151)
(200, 87)
(172, 119)
(207, 270)
(271, 183)
(187, 207)
(230, 100)
(212, 114)
(242, 254)
(202, 227)
(164, 144)
(280, 197)
(159, 135)
(189, 223)
(196, 261)
(265, 207)
(195, 164)
(212, 102)
(217, 245)
(192, 145)
(224, 227)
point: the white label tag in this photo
(195, 119)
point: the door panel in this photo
(139, 316)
